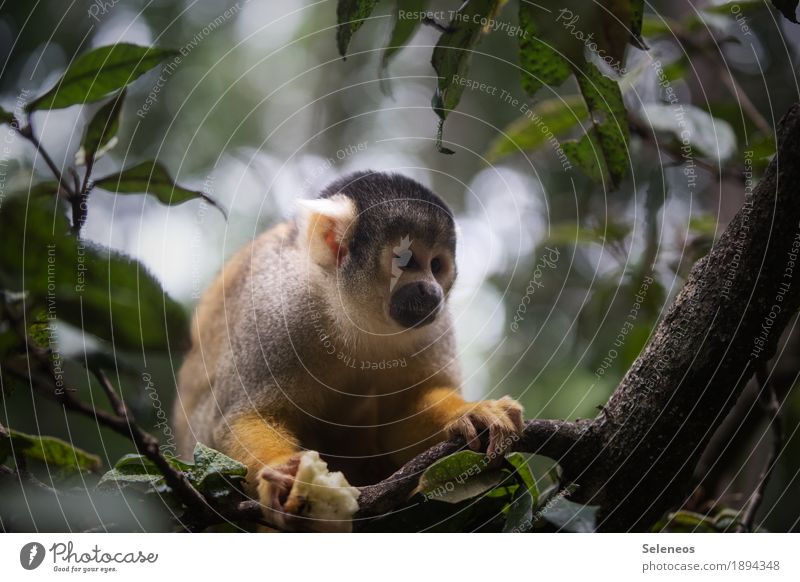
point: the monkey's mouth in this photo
(416, 304)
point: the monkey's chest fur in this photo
(349, 414)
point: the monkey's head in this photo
(385, 246)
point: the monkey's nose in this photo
(416, 304)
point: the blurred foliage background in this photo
(262, 111)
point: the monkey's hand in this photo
(302, 495)
(501, 418)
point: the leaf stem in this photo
(27, 133)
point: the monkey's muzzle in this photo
(416, 304)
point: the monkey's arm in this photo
(439, 413)
(294, 486)
(259, 442)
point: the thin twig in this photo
(120, 422)
(721, 68)
(148, 445)
(27, 133)
(771, 405)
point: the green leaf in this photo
(612, 29)
(585, 154)
(686, 522)
(9, 342)
(139, 471)
(656, 25)
(214, 474)
(610, 134)
(402, 28)
(788, 8)
(135, 464)
(97, 73)
(458, 477)
(95, 289)
(519, 518)
(350, 15)
(152, 178)
(522, 472)
(541, 63)
(210, 468)
(102, 128)
(6, 117)
(50, 450)
(538, 126)
(115, 479)
(637, 17)
(452, 54)
(570, 516)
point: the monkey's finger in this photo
(291, 465)
(464, 427)
(514, 412)
(498, 440)
(276, 477)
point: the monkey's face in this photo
(387, 244)
(400, 269)
(421, 277)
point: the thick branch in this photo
(724, 322)
(563, 441)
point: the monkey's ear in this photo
(327, 225)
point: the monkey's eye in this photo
(436, 265)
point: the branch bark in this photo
(724, 322)
(563, 441)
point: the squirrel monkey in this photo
(331, 333)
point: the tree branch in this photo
(563, 441)
(27, 133)
(147, 444)
(724, 322)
